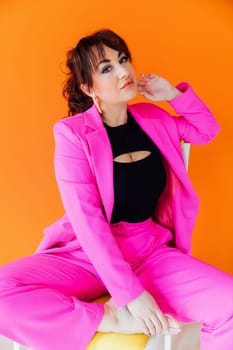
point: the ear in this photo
(86, 90)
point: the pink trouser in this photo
(45, 299)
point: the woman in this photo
(130, 210)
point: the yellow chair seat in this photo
(115, 341)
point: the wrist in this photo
(173, 94)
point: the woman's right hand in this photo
(145, 309)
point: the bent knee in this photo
(10, 276)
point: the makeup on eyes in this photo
(105, 69)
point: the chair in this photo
(115, 341)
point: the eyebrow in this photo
(105, 60)
(102, 61)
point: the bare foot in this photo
(119, 320)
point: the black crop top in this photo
(138, 184)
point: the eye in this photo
(124, 59)
(106, 69)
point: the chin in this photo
(130, 95)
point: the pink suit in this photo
(98, 256)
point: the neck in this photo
(114, 115)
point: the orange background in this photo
(178, 39)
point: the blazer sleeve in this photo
(195, 122)
(82, 203)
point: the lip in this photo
(127, 84)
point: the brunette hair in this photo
(81, 62)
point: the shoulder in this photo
(80, 124)
(71, 122)
(149, 113)
(149, 109)
(71, 127)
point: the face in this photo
(114, 79)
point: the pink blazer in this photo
(84, 172)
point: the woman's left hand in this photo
(156, 88)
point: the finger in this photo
(153, 75)
(143, 89)
(155, 319)
(150, 76)
(147, 95)
(139, 81)
(143, 93)
(144, 328)
(145, 77)
(141, 86)
(173, 323)
(163, 321)
(150, 325)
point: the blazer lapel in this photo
(101, 158)
(160, 137)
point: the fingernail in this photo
(173, 331)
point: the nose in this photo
(122, 71)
